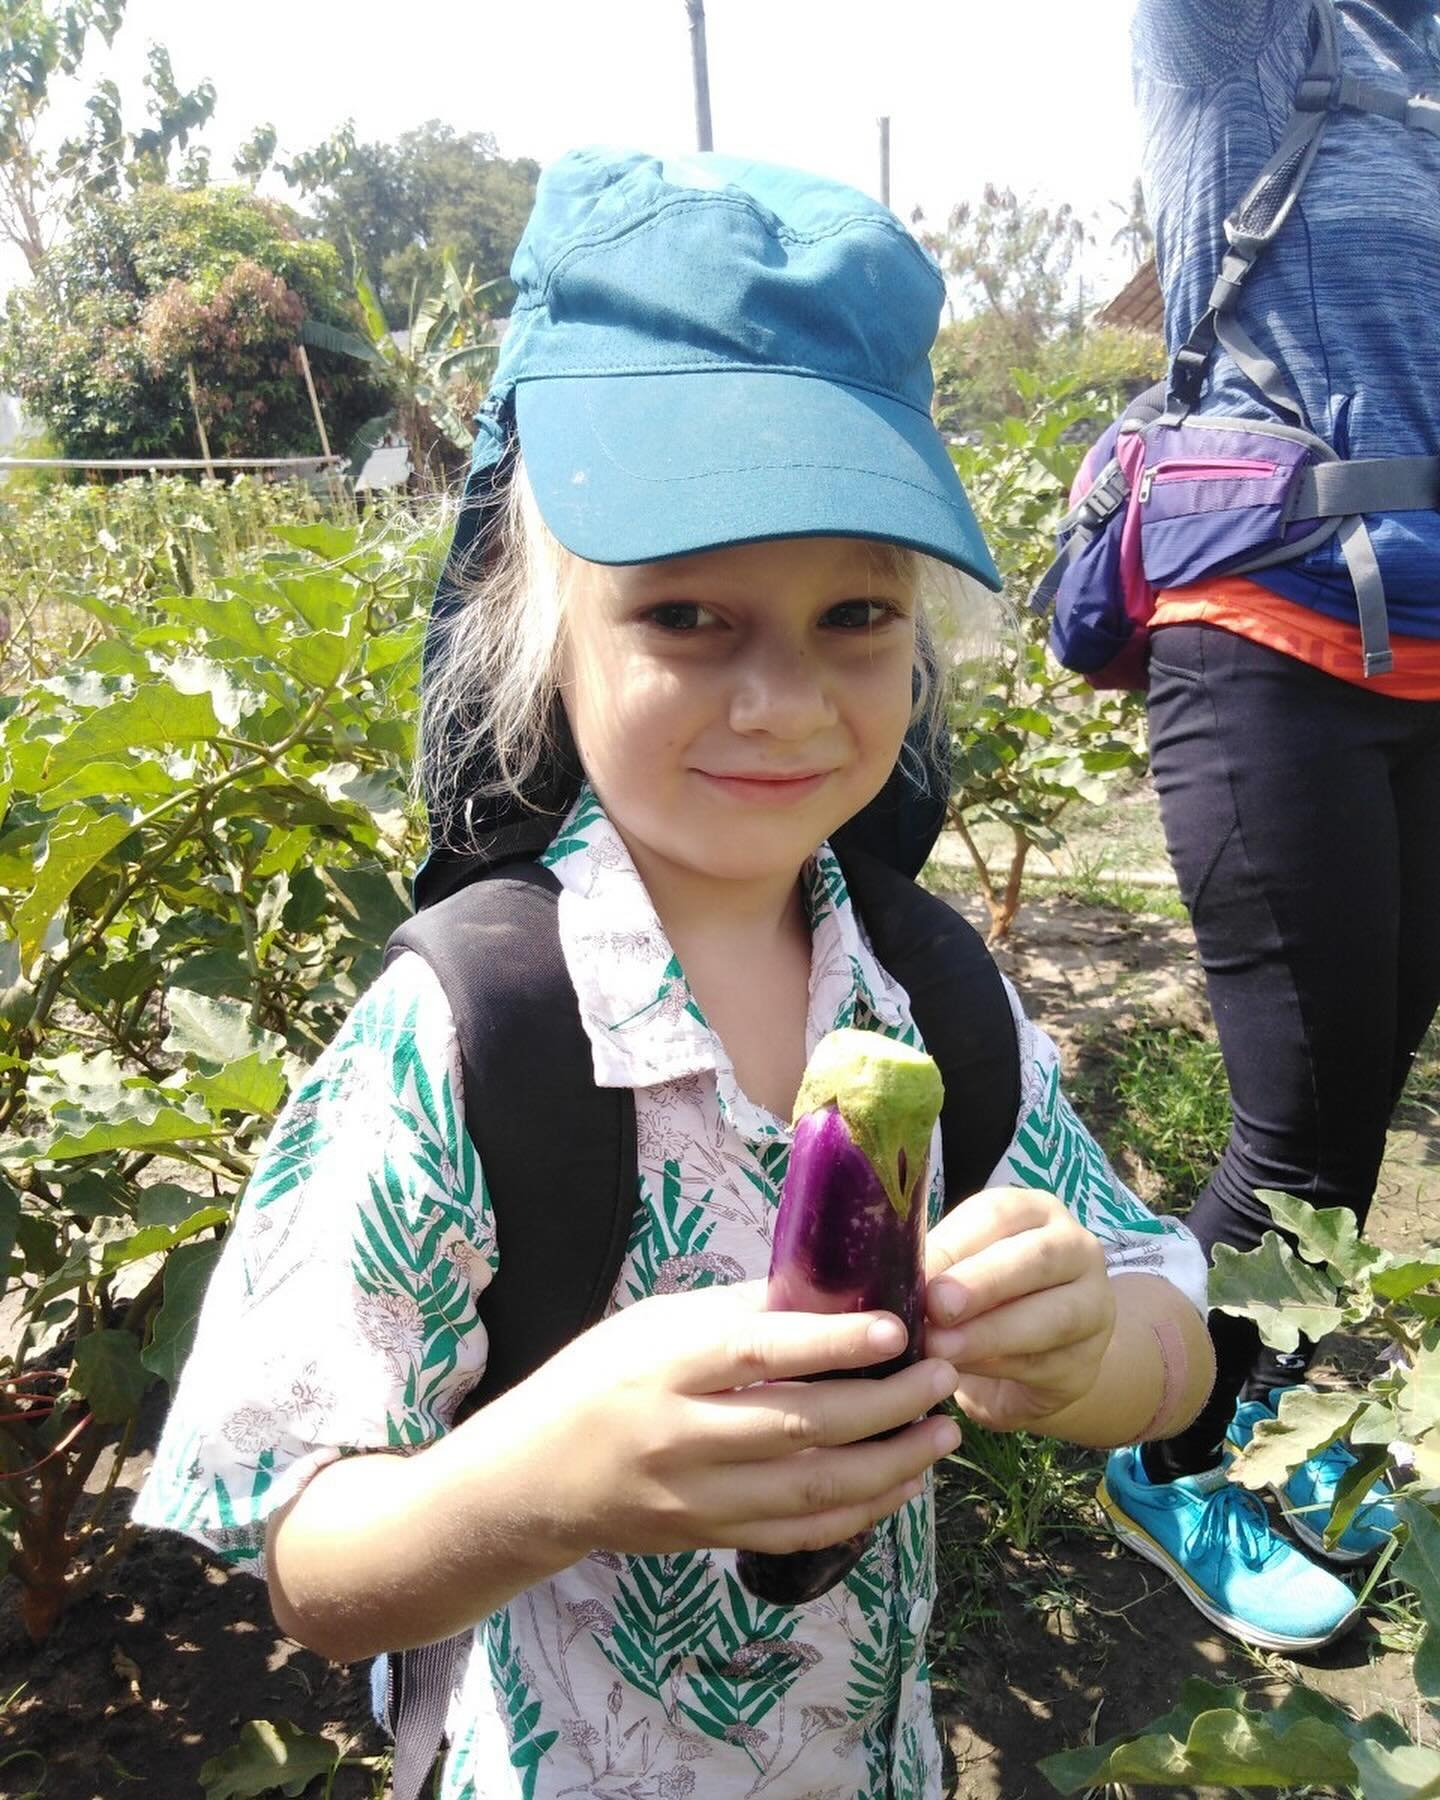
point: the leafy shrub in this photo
(1034, 739)
(205, 824)
(124, 542)
(97, 344)
(1214, 1735)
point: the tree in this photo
(101, 343)
(41, 41)
(1135, 233)
(1008, 258)
(409, 205)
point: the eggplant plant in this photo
(850, 1231)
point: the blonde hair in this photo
(491, 719)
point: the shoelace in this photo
(1235, 1520)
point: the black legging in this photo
(1302, 816)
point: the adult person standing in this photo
(1300, 799)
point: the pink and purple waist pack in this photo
(1158, 504)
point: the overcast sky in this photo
(1030, 93)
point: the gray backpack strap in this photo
(1398, 484)
(1251, 229)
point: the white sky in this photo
(1033, 94)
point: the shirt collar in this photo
(644, 1025)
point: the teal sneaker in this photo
(1307, 1498)
(1217, 1543)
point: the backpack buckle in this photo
(1187, 373)
(1104, 499)
(1423, 114)
(1318, 93)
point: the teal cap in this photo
(708, 351)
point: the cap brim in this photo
(634, 470)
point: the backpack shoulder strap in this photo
(559, 1158)
(558, 1152)
(958, 1000)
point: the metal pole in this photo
(885, 160)
(699, 61)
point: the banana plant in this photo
(435, 370)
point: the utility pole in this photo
(885, 160)
(704, 138)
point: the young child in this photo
(711, 506)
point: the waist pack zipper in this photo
(1203, 471)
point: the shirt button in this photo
(919, 1616)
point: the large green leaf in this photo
(188, 1269)
(1211, 1738)
(1418, 1564)
(157, 713)
(333, 542)
(138, 778)
(1408, 1772)
(245, 624)
(215, 1031)
(1350, 1492)
(315, 657)
(1309, 1421)
(110, 1375)
(1418, 1402)
(255, 1084)
(145, 1129)
(166, 1203)
(1331, 1235)
(1401, 1280)
(371, 902)
(78, 839)
(1272, 1286)
(273, 1756)
(320, 336)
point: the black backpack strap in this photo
(958, 1000)
(557, 1149)
(559, 1157)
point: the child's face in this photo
(734, 707)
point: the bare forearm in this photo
(383, 1552)
(1131, 1384)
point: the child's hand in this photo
(649, 1434)
(1019, 1302)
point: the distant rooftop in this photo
(1139, 303)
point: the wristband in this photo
(1174, 1367)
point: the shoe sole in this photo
(1141, 1542)
(1313, 1540)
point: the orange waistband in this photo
(1236, 604)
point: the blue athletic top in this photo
(1347, 299)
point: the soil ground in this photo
(155, 1672)
(1087, 1638)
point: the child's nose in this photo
(781, 691)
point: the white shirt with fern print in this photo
(343, 1316)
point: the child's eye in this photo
(859, 615)
(679, 615)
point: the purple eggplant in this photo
(850, 1231)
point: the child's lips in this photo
(769, 787)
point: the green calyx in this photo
(889, 1097)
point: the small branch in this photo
(982, 871)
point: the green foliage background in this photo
(97, 343)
